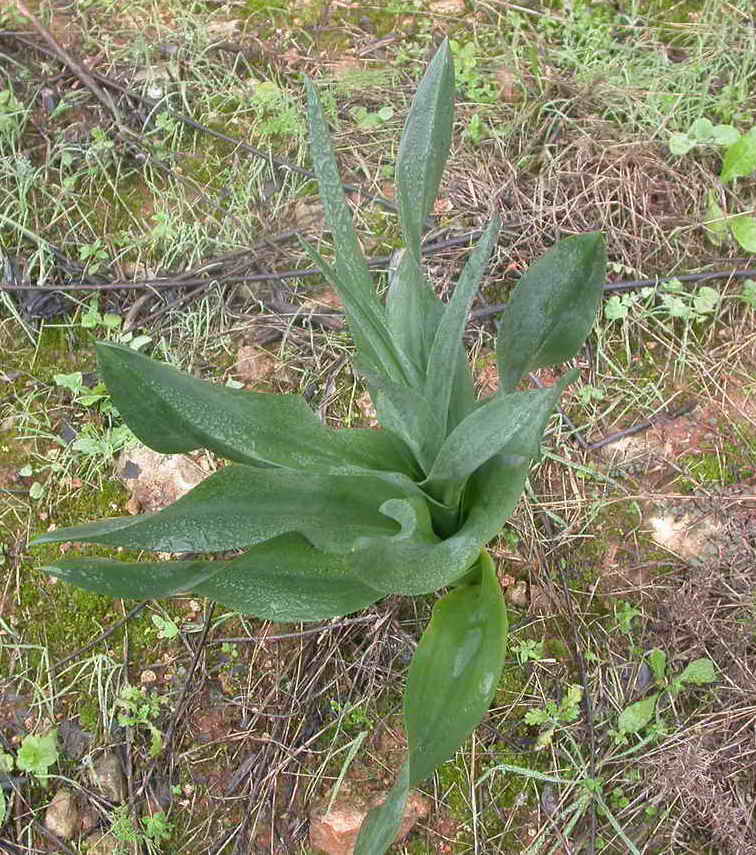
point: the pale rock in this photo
(334, 832)
(62, 815)
(157, 480)
(448, 7)
(253, 364)
(106, 775)
(517, 595)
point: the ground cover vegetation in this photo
(623, 719)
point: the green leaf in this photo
(350, 275)
(699, 672)
(413, 309)
(706, 300)
(285, 579)
(740, 159)
(455, 671)
(447, 342)
(681, 144)
(744, 231)
(716, 225)
(657, 662)
(240, 506)
(38, 753)
(174, 413)
(725, 134)
(512, 424)
(701, 130)
(637, 715)
(424, 146)
(451, 682)
(421, 564)
(381, 826)
(552, 308)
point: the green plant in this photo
(528, 649)
(37, 754)
(141, 708)
(739, 161)
(550, 717)
(367, 121)
(155, 829)
(639, 715)
(332, 521)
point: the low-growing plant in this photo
(328, 522)
(739, 161)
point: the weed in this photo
(140, 708)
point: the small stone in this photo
(509, 88)
(62, 815)
(106, 775)
(157, 480)
(334, 832)
(253, 365)
(517, 595)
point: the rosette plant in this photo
(327, 522)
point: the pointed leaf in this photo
(174, 413)
(716, 225)
(455, 671)
(552, 309)
(350, 275)
(424, 146)
(381, 826)
(511, 424)
(447, 343)
(284, 579)
(637, 715)
(740, 158)
(240, 506)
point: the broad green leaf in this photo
(37, 754)
(240, 506)
(447, 342)
(699, 672)
(744, 231)
(412, 567)
(681, 144)
(637, 715)
(552, 308)
(173, 413)
(351, 275)
(451, 682)
(512, 424)
(424, 147)
(455, 671)
(716, 220)
(701, 130)
(740, 159)
(284, 579)
(725, 134)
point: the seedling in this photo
(332, 521)
(553, 715)
(37, 754)
(140, 708)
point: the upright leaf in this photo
(510, 424)
(284, 579)
(351, 275)
(451, 682)
(552, 309)
(447, 342)
(174, 413)
(424, 146)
